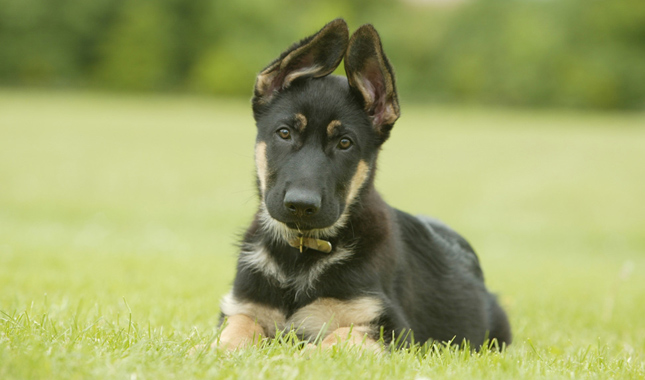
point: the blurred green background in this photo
(563, 53)
(126, 175)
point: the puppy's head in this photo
(319, 135)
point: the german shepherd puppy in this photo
(325, 255)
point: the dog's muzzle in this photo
(301, 203)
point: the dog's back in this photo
(447, 300)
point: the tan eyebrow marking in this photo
(301, 122)
(332, 127)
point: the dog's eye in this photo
(344, 143)
(284, 133)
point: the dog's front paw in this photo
(355, 337)
(240, 332)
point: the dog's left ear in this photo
(369, 72)
(315, 56)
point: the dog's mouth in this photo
(290, 230)
(301, 227)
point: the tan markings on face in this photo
(331, 128)
(241, 331)
(334, 314)
(301, 122)
(266, 317)
(261, 164)
(359, 178)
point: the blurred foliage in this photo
(572, 53)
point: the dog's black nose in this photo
(302, 203)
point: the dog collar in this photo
(317, 244)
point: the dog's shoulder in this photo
(436, 242)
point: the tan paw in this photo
(352, 337)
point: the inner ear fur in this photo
(315, 56)
(369, 72)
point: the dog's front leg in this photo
(354, 336)
(241, 331)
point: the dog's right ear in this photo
(315, 56)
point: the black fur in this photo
(427, 276)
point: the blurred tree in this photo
(572, 53)
(44, 42)
(137, 53)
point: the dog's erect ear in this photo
(369, 72)
(315, 56)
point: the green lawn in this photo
(119, 217)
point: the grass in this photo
(119, 215)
